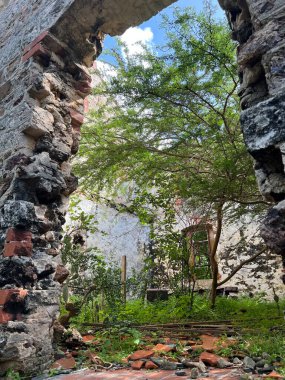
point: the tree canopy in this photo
(169, 118)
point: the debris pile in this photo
(198, 358)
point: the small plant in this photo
(12, 375)
(118, 342)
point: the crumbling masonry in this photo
(46, 47)
(259, 28)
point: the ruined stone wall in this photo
(259, 27)
(45, 49)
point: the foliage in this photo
(170, 119)
(257, 335)
(178, 309)
(92, 279)
(12, 375)
(118, 342)
(168, 127)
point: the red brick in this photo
(18, 248)
(141, 354)
(163, 348)
(65, 363)
(35, 42)
(77, 118)
(5, 295)
(83, 87)
(274, 375)
(209, 358)
(14, 234)
(5, 317)
(150, 365)
(37, 50)
(137, 365)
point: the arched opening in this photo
(43, 83)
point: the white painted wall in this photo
(119, 234)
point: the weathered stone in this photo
(44, 50)
(189, 364)
(194, 373)
(249, 363)
(61, 274)
(65, 363)
(258, 25)
(222, 363)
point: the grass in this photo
(261, 331)
(177, 309)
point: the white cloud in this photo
(134, 36)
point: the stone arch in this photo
(45, 49)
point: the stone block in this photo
(61, 274)
(18, 214)
(18, 248)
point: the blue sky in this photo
(149, 31)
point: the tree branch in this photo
(243, 263)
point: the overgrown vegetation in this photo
(259, 322)
(168, 127)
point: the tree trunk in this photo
(213, 250)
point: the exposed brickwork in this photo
(46, 47)
(8, 298)
(18, 248)
(14, 234)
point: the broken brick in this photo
(208, 358)
(5, 317)
(150, 365)
(209, 342)
(77, 118)
(14, 234)
(137, 365)
(163, 348)
(64, 363)
(274, 375)
(88, 338)
(141, 354)
(5, 295)
(18, 248)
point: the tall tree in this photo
(169, 120)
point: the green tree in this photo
(169, 120)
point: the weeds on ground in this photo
(117, 343)
(256, 318)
